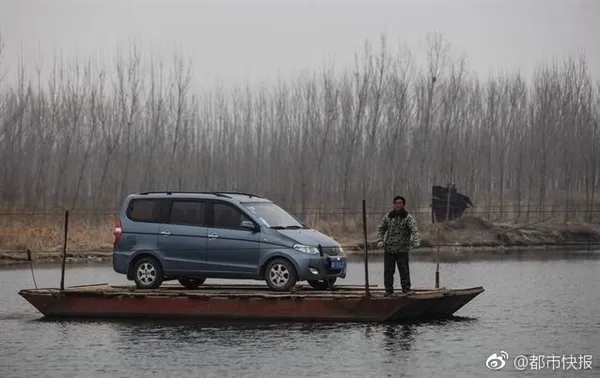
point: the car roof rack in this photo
(216, 193)
(239, 193)
(169, 192)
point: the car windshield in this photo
(273, 216)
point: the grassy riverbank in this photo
(92, 241)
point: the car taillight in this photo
(118, 231)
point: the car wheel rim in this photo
(279, 275)
(146, 273)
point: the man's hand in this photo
(380, 244)
(416, 245)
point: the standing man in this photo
(396, 233)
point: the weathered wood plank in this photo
(241, 291)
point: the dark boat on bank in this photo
(447, 203)
(248, 302)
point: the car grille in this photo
(331, 251)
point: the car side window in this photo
(227, 216)
(189, 213)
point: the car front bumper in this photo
(323, 267)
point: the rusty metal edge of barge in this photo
(247, 302)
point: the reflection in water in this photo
(398, 337)
(523, 310)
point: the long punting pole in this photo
(364, 214)
(64, 257)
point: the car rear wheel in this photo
(191, 283)
(147, 273)
(322, 284)
(280, 275)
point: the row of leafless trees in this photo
(83, 137)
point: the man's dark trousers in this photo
(390, 260)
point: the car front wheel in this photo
(322, 284)
(191, 283)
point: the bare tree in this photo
(82, 137)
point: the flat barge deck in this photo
(249, 302)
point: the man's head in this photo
(399, 203)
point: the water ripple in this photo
(529, 307)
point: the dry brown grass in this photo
(45, 232)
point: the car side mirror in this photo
(248, 225)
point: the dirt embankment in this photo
(92, 241)
(20, 257)
(475, 232)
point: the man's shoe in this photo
(388, 293)
(406, 290)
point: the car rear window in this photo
(144, 210)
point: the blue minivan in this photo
(192, 236)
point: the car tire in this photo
(147, 273)
(280, 275)
(191, 283)
(322, 284)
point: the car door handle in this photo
(165, 232)
(212, 235)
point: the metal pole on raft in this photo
(437, 258)
(30, 259)
(364, 216)
(437, 268)
(64, 257)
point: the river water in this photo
(531, 306)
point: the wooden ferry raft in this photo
(250, 302)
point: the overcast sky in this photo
(243, 40)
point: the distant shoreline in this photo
(462, 252)
(468, 237)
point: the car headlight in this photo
(341, 252)
(307, 249)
